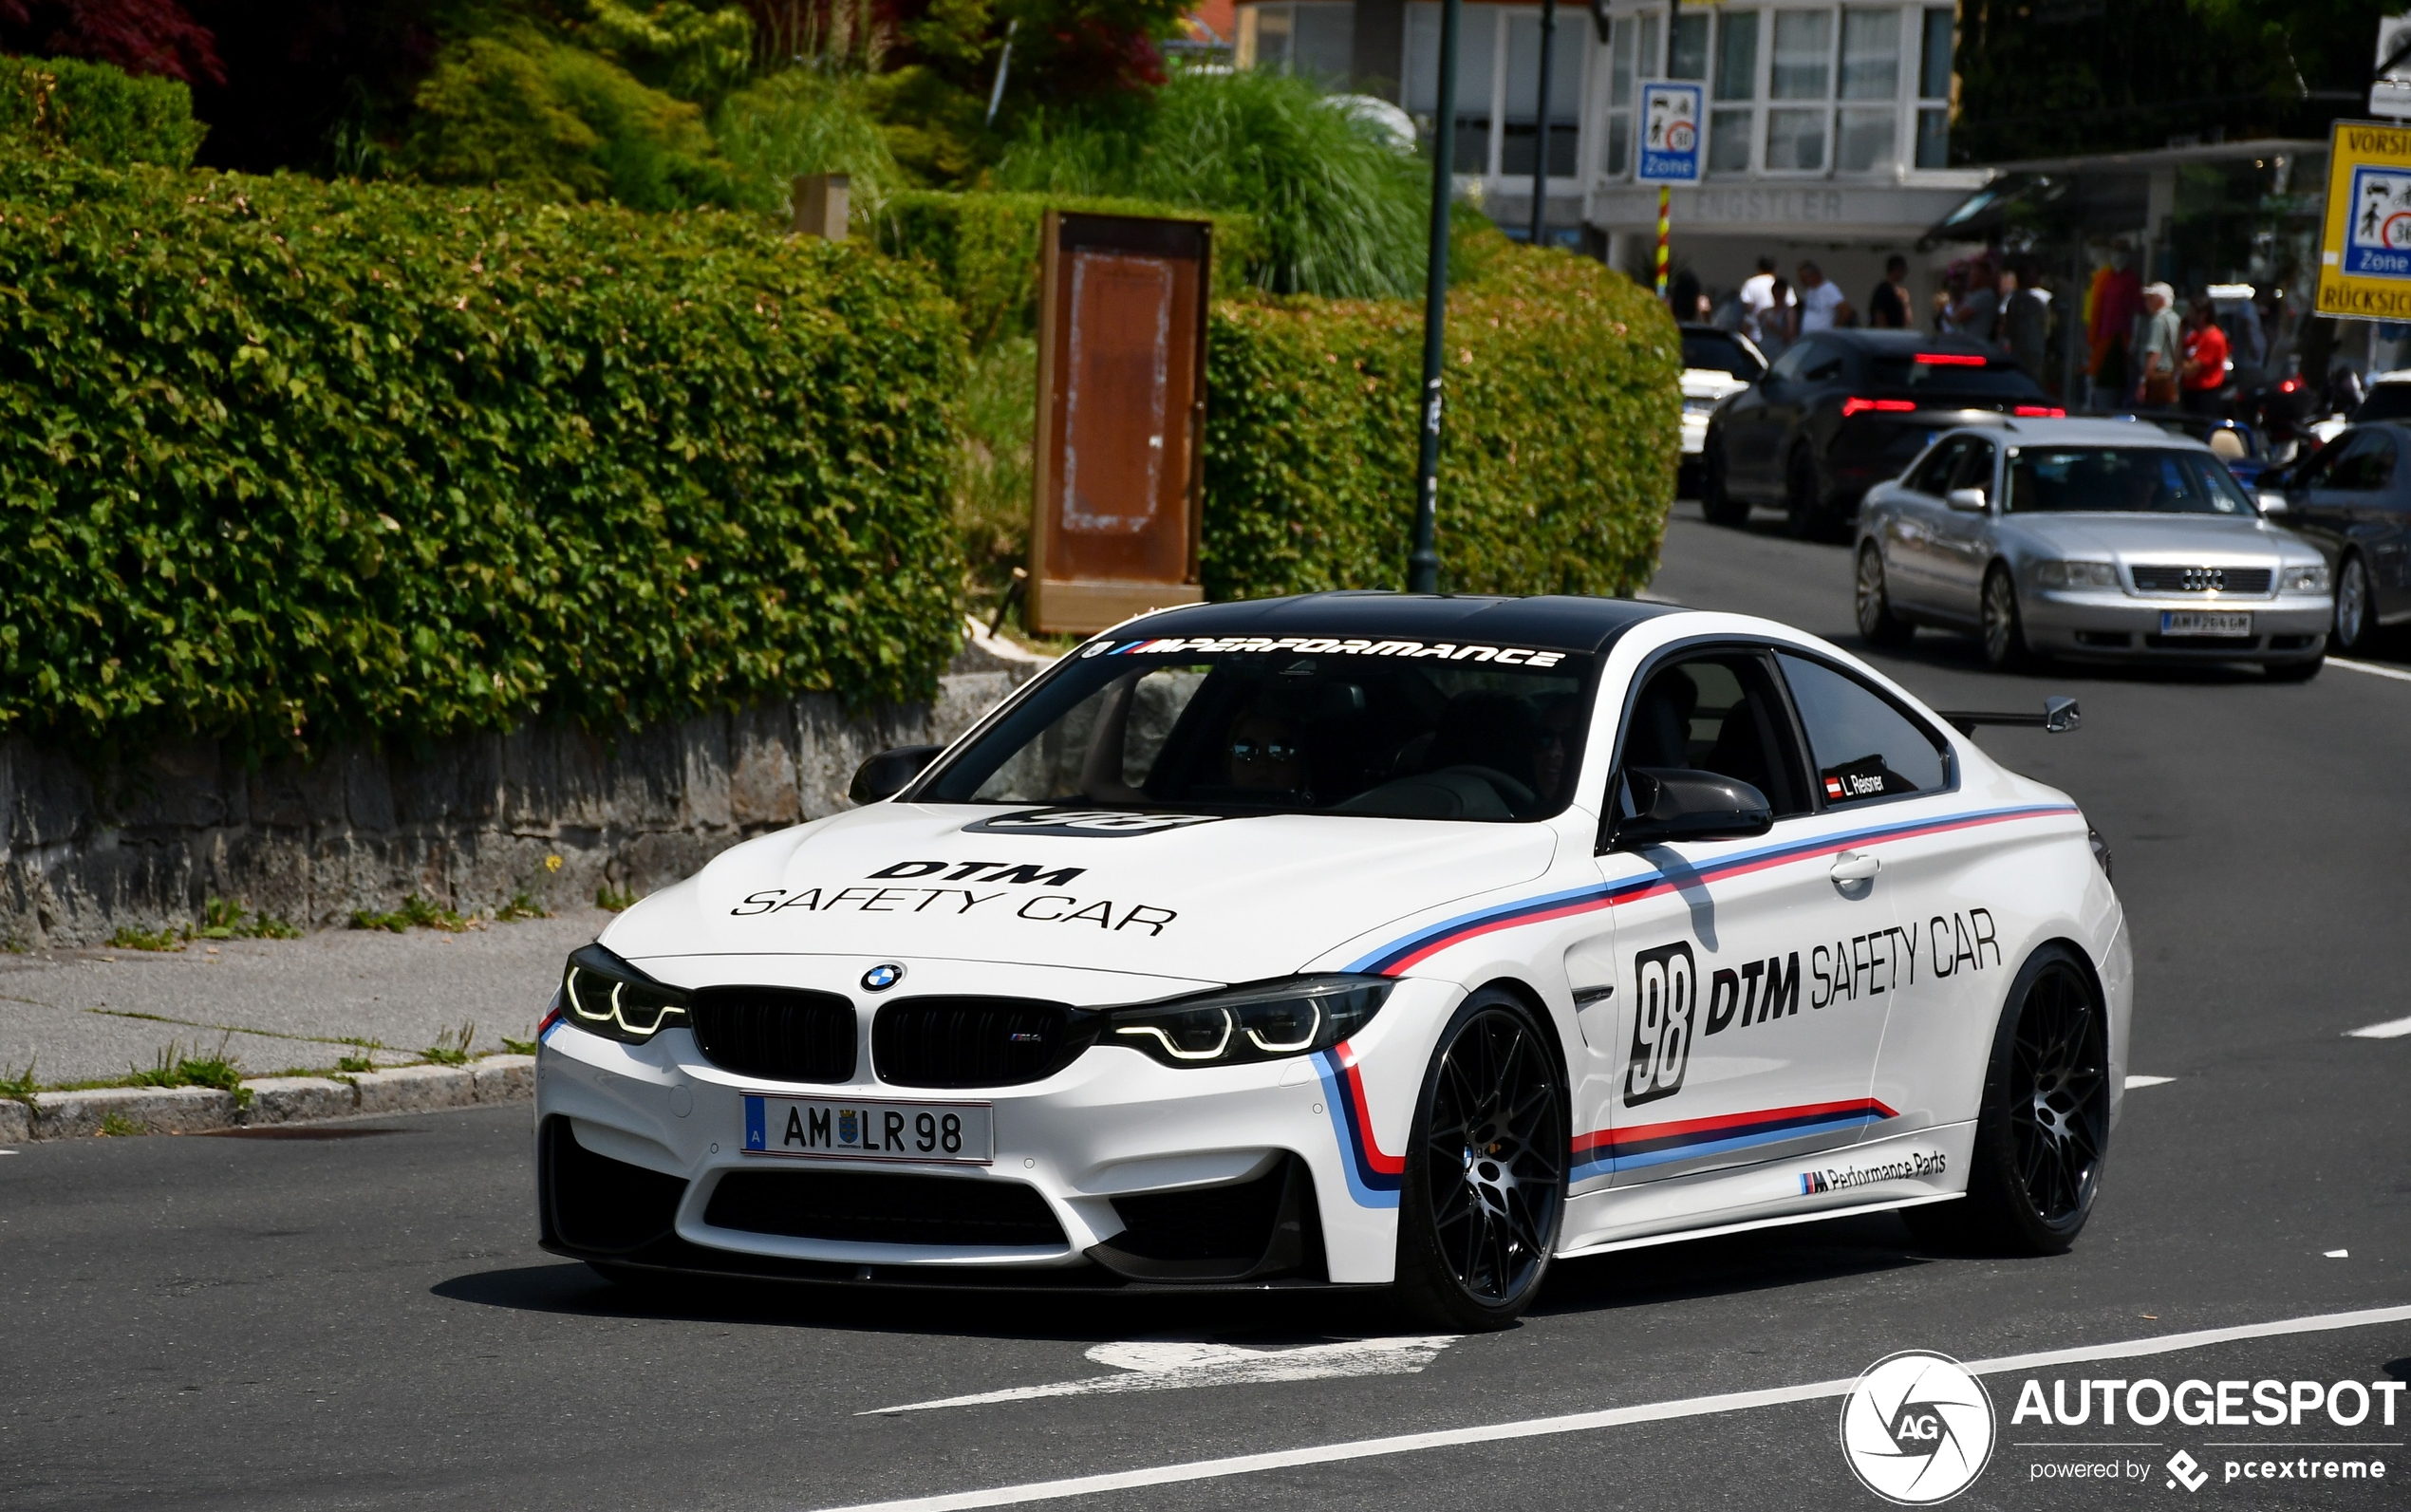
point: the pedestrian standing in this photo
(2110, 315)
(1822, 307)
(1757, 292)
(2161, 350)
(2025, 318)
(2205, 367)
(1888, 308)
(1778, 323)
(1684, 297)
(1978, 313)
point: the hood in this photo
(1205, 900)
(2207, 538)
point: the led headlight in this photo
(603, 994)
(1263, 1022)
(2076, 574)
(2311, 579)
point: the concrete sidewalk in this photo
(280, 1005)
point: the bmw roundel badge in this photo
(881, 977)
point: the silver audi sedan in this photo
(2094, 538)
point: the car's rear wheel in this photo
(1485, 1186)
(1716, 501)
(2043, 1125)
(2356, 608)
(1878, 625)
(2003, 629)
(1803, 496)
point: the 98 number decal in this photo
(1666, 993)
(932, 1132)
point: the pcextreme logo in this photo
(1918, 1429)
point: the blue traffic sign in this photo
(1670, 133)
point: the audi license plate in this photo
(961, 1132)
(2202, 621)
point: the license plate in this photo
(2202, 621)
(962, 1133)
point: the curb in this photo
(274, 1100)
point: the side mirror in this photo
(891, 772)
(1968, 499)
(1657, 805)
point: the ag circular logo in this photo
(881, 977)
(1917, 1428)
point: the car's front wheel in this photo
(2356, 608)
(2043, 1125)
(1485, 1186)
(1716, 501)
(1878, 625)
(2003, 629)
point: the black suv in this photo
(1844, 410)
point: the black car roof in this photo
(1565, 622)
(1893, 342)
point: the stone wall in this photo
(548, 811)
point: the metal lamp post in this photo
(1423, 563)
(1540, 148)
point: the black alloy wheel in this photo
(1716, 503)
(2356, 608)
(1878, 625)
(2004, 632)
(2043, 1126)
(1485, 1189)
(1803, 496)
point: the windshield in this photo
(1719, 354)
(1402, 729)
(1994, 379)
(2122, 480)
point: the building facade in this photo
(1828, 131)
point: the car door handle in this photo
(1852, 867)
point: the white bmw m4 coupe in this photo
(1360, 940)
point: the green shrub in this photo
(1557, 464)
(1341, 211)
(285, 462)
(802, 120)
(98, 112)
(559, 121)
(984, 248)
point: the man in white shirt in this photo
(1822, 305)
(1758, 294)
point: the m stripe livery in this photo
(1646, 1144)
(1402, 956)
(1373, 1178)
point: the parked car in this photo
(1842, 411)
(2353, 500)
(2097, 538)
(1717, 363)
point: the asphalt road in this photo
(365, 1322)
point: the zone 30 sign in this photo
(2364, 257)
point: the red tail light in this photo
(1950, 358)
(1855, 406)
(2289, 385)
(2041, 411)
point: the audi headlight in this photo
(2076, 574)
(603, 994)
(1265, 1022)
(2311, 579)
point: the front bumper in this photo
(2108, 623)
(1117, 1171)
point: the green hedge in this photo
(984, 248)
(1563, 424)
(98, 112)
(284, 461)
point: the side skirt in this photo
(1819, 1216)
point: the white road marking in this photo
(2370, 668)
(2133, 1082)
(2338, 1254)
(1584, 1422)
(2391, 1029)
(1171, 1365)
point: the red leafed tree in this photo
(140, 36)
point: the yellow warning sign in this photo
(2365, 251)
